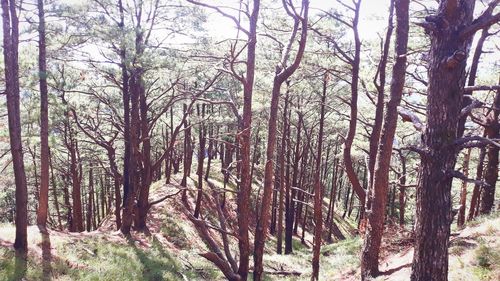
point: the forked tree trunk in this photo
(283, 72)
(379, 188)
(355, 62)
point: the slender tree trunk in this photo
(491, 172)
(377, 204)
(11, 57)
(463, 192)
(474, 201)
(90, 201)
(76, 193)
(318, 192)
(351, 174)
(243, 198)
(210, 146)
(43, 200)
(54, 192)
(201, 158)
(379, 107)
(282, 180)
(187, 152)
(291, 192)
(282, 74)
(402, 190)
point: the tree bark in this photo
(376, 208)
(291, 193)
(282, 180)
(201, 158)
(43, 199)
(318, 190)
(491, 172)
(351, 133)
(11, 61)
(90, 202)
(463, 191)
(448, 53)
(474, 201)
(283, 72)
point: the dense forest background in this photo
(264, 125)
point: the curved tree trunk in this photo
(376, 210)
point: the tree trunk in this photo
(201, 158)
(448, 52)
(463, 192)
(146, 169)
(283, 72)
(377, 204)
(318, 190)
(402, 190)
(11, 57)
(491, 172)
(43, 199)
(474, 201)
(130, 196)
(90, 202)
(187, 152)
(54, 193)
(291, 192)
(282, 181)
(351, 174)
(243, 198)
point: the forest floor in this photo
(171, 251)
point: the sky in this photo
(373, 17)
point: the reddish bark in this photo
(378, 190)
(283, 72)
(318, 190)
(11, 61)
(492, 131)
(43, 199)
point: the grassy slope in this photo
(171, 252)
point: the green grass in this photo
(101, 260)
(175, 233)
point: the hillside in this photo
(171, 252)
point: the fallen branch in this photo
(283, 272)
(166, 197)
